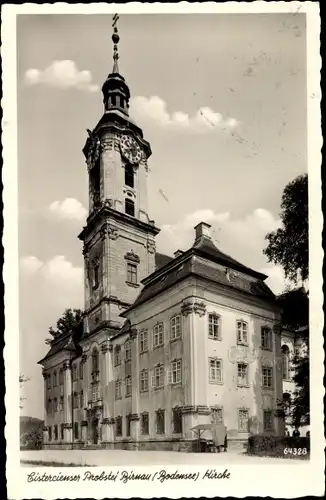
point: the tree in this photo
(295, 317)
(288, 245)
(66, 323)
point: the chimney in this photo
(202, 231)
(178, 253)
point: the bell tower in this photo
(119, 237)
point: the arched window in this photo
(129, 175)
(96, 273)
(95, 360)
(130, 207)
(285, 362)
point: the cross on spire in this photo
(115, 40)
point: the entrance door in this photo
(95, 430)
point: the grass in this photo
(42, 463)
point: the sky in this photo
(220, 97)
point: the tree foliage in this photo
(66, 323)
(31, 433)
(288, 245)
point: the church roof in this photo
(235, 275)
(68, 342)
(63, 343)
(161, 260)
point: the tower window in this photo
(130, 207)
(129, 175)
(96, 273)
(132, 273)
(113, 100)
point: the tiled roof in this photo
(161, 260)
(246, 280)
(67, 342)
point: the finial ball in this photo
(115, 38)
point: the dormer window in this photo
(129, 175)
(130, 207)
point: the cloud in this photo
(154, 109)
(61, 74)
(30, 264)
(242, 238)
(57, 271)
(70, 209)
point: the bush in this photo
(32, 440)
(279, 446)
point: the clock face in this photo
(130, 149)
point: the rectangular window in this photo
(129, 175)
(76, 430)
(217, 416)
(95, 392)
(81, 370)
(55, 432)
(268, 420)
(81, 399)
(128, 421)
(48, 381)
(176, 372)
(132, 273)
(127, 350)
(118, 392)
(55, 405)
(61, 376)
(160, 422)
(118, 426)
(242, 374)
(214, 327)
(175, 327)
(62, 435)
(176, 421)
(75, 400)
(61, 403)
(129, 207)
(158, 379)
(267, 377)
(74, 372)
(143, 341)
(266, 338)
(158, 335)
(49, 406)
(128, 387)
(54, 379)
(117, 356)
(243, 420)
(50, 433)
(215, 370)
(144, 381)
(144, 423)
(242, 332)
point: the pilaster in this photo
(67, 401)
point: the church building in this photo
(165, 343)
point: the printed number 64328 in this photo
(295, 451)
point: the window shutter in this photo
(169, 376)
(153, 380)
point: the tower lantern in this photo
(116, 92)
